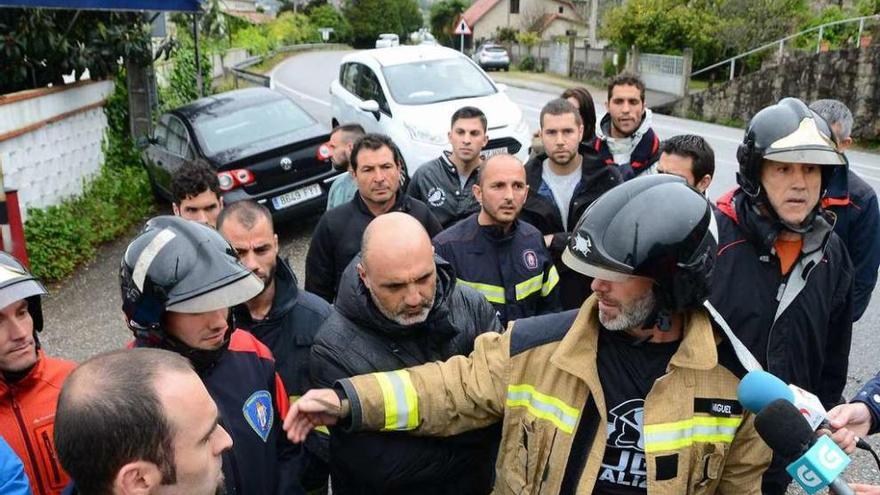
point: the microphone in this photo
(813, 463)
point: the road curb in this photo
(540, 87)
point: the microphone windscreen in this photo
(759, 388)
(784, 429)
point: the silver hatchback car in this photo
(491, 56)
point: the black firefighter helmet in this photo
(17, 283)
(652, 226)
(182, 266)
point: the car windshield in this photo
(421, 83)
(218, 133)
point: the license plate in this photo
(296, 196)
(494, 151)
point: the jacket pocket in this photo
(707, 463)
(528, 468)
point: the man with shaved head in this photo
(400, 305)
(497, 254)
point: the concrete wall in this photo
(852, 76)
(497, 17)
(50, 141)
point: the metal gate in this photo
(662, 72)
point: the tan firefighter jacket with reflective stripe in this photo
(537, 378)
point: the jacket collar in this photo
(495, 233)
(698, 349)
(401, 203)
(30, 379)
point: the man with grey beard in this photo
(398, 305)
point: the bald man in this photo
(499, 255)
(398, 306)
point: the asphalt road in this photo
(83, 314)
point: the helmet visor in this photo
(16, 285)
(226, 296)
(592, 270)
(807, 145)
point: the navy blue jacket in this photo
(289, 330)
(854, 203)
(870, 396)
(252, 403)
(512, 270)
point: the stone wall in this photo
(852, 76)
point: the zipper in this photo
(53, 459)
(27, 443)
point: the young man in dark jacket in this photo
(178, 280)
(445, 184)
(376, 164)
(562, 184)
(283, 317)
(783, 279)
(398, 306)
(495, 253)
(854, 202)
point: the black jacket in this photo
(854, 202)
(358, 339)
(337, 239)
(541, 211)
(436, 184)
(798, 326)
(289, 330)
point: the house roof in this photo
(251, 17)
(546, 20)
(481, 7)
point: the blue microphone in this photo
(758, 389)
(814, 463)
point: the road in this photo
(83, 314)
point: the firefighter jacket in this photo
(513, 269)
(27, 421)
(540, 379)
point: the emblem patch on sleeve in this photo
(259, 413)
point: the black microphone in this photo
(813, 463)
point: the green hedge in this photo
(62, 237)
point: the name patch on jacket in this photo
(718, 407)
(259, 414)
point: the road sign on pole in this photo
(462, 29)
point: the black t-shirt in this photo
(627, 371)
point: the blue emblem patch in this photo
(259, 413)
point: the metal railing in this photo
(781, 43)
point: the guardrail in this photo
(781, 43)
(239, 71)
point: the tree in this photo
(410, 16)
(370, 18)
(327, 16)
(444, 15)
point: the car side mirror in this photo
(371, 106)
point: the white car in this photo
(387, 39)
(410, 94)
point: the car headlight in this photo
(426, 135)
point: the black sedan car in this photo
(262, 144)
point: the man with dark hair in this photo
(29, 379)
(283, 317)
(498, 255)
(376, 164)
(625, 137)
(854, 202)
(400, 305)
(446, 183)
(783, 279)
(178, 281)
(195, 192)
(341, 142)
(140, 421)
(563, 182)
(690, 157)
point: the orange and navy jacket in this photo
(27, 422)
(252, 402)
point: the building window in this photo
(514, 6)
(560, 9)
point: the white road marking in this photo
(285, 87)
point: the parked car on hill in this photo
(262, 144)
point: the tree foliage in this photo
(443, 16)
(38, 47)
(370, 18)
(327, 16)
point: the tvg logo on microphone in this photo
(819, 466)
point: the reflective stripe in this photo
(400, 399)
(552, 280)
(529, 287)
(673, 436)
(492, 293)
(543, 406)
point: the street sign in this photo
(462, 28)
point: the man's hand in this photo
(844, 438)
(865, 489)
(853, 416)
(318, 407)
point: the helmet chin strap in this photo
(760, 200)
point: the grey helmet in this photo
(17, 283)
(182, 266)
(652, 226)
